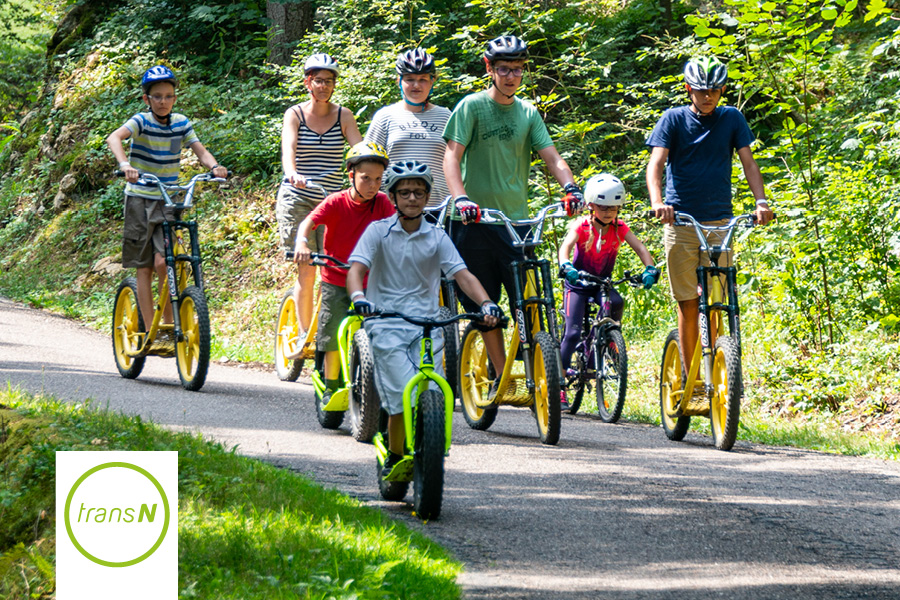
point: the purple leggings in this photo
(575, 304)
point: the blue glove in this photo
(568, 272)
(364, 308)
(489, 309)
(468, 211)
(574, 200)
(650, 276)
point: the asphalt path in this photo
(613, 511)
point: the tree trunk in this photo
(290, 21)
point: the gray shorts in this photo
(291, 207)
(335, 304)
(142, 236)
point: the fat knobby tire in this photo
(725, 430)
(192, 353)
(286, 369)
(364, 401)
(428, 460)
(671, 373)
(546, 350)
(472, 356)
(126, 319)
(612, 360)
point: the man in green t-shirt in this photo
(490, 137)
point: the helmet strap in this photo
(165, 120)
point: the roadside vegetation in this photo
(819, 83)
(246, 529)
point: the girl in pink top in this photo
(596, 239)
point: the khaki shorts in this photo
(335, 304)
(142, 236)
(291, 207)
(683, 256)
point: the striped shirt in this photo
(319, 157)
(414, 135)
(156, 149)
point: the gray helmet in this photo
(506, 47)
(705, 73)
(321, 61)
(407, 169)
(604, 190)
(415, 62)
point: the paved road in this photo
(615, 511)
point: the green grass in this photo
(246, 529)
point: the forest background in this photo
(818, 82)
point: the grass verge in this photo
(246, 530)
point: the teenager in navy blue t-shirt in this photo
(694, 146)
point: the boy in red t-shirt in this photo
(345, 215)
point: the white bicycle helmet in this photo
(415, 62)
(321, 61)
(604, 190)
(407, 169)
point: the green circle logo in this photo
(145, 555)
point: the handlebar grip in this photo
(289, 255)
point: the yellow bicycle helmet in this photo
(367, 151)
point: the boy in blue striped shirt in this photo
(157, 138)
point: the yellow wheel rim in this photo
(719, 409)
(127, 331)
(288, 331)
(188, 350)
(671, 382)
(474, 376)
(541, 406)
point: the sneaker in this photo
(571, 373)
(397, 468)
(298, 344)
(494, 389)
(563, 400)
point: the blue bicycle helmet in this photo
(155, 75)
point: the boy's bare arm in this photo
(114, 141)
(557, 165)
(301, 248)
(474, 290)
(656, 168)
(754, 179)
(355, 277)
(208, 160)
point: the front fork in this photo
(704, 275)
(533, 304)
(170, 229)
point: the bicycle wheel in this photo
(127, 325)
(364, 402)
(392, 491)
(474, 380)
(547, 369)
(670, 380)
(428, 459)
(579, 383)
(451, 349)
(612, 376)
(286, 342)
(725, 412)
(192, 352)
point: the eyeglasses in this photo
(323, 82)
(418, 194)
(506, 71)
(156, 98)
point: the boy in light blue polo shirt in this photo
(404, 256)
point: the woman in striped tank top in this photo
(413, 128)
(312, 148)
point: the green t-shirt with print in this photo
(499, 139)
